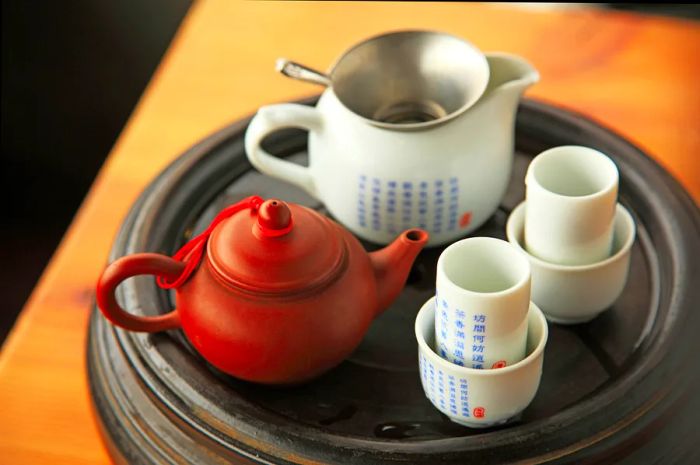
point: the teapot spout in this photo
(393, 263)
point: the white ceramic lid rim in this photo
(459, 289)
(573, 198)
(447, 365)
(512, 230)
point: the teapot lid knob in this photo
(274, 218)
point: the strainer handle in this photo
(272, 118)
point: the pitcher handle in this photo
(280, 116)
(134, 265)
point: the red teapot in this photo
(271, 292)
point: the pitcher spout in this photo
(509, 74)
(393, 263)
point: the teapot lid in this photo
(278, 248)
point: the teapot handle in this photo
(271, 118)
(134, 265)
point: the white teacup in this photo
(480, 398)
(483, 297)
(571, 194)
(571, 294)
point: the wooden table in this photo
(636, 74)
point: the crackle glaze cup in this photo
(571, 194)
(483, 297)
(480, 398)
(416, 129)
(570, 294)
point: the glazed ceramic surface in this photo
(571, 194)
(480, 398)
(483, 299)
(447, 179)
(575, 294)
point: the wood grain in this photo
(638, 75)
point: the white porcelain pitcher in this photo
(444, 167)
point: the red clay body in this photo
(281, 295)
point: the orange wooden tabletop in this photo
(635, 74)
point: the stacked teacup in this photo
(481, 341)
(577, 237)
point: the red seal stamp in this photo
(499, 364)
(479, 412)
(465, 220)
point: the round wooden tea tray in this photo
(623, 387)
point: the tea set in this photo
(410, 145)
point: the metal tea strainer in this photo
(409, 78)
